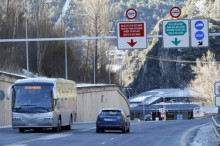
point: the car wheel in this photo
(124, 129)
(58, 128)
(128, 130)
(97, 130)
(21, 130)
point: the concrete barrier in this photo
(6, 80)
(90, 99)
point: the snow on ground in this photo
(205, 137)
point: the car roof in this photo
(112, 109)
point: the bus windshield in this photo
(32, 98)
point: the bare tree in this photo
(10, 25)
(96, 23)
(207, 72)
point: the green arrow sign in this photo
(175, 28)
(176, 42)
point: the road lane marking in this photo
(55, 136)
(187, 132)
(49, 136)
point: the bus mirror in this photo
(55, 102)
(54, 92)
(9, 92)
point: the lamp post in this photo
(143, 109)
(94, 60)
(65, 52)
(27, 13)
(109, 72)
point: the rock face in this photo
(157, 67)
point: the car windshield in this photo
(32, 98)
(111, 113)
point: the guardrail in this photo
(216, 126)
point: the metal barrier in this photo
(216, 126)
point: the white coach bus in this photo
(39, 103)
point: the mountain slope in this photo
(165, 68)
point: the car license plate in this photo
(109, 119)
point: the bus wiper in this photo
(18, 108)
(40, 108)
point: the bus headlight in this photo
(16, 119)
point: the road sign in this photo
(199, 33)
(217, 101)
(131, 13)
(175, 34)
(132, 35)
(162, 110)
(217, 94)
(175, 12)
(217, 88)
(179, 117)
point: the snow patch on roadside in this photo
(205, 137)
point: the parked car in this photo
(147, 117)
(113, 119)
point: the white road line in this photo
(55, 136)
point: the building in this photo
(171, 104)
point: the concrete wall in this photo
(90, 100)
(5, 105)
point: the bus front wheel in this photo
(58, 128)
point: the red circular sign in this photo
(131, 13)
(175, 12)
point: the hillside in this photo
(156, 67)
(79, 18)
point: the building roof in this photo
(150, 96)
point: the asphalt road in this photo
(152, 133)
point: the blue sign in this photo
(179, 117)
(197, 108)
(199, 35)
(199, 25)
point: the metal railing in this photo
(216, 126)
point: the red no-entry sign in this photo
(175, 12)
(131, 13)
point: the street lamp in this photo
(27, 13)
(143, 109)
(109, 65)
